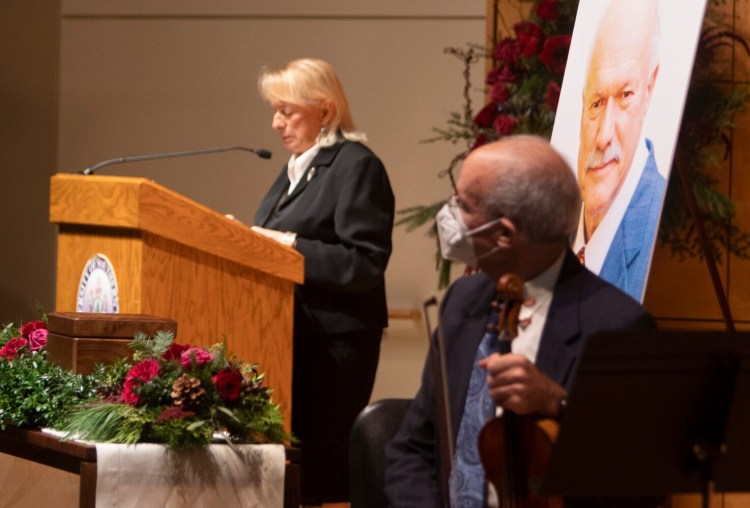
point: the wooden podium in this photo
(175, 258)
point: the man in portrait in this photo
(621, 187)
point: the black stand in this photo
(654, 415)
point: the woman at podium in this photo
(333, 203)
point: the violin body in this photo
(530, 450)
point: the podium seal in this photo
(97, 290)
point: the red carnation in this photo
(228, 384)
(548, 10)
(486, 115)
(140, 374)
(507, 51)
(174, 351)
(555, 53)
(505, 124)
(529, 36)
(10, 350)
(29, 327)
(552, 97)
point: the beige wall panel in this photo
(318, 8)
(135, 86)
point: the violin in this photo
(514, 449)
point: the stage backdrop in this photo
(600, 108)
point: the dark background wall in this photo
(29, 62)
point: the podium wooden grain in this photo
(176, 258)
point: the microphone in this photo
(260, 152)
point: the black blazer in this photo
(342, 211)
(582, 304)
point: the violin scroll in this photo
(510, 289)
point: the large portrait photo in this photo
(617, 122)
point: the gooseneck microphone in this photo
(260, 152)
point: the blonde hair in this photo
(308, 81)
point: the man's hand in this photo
(517, 385)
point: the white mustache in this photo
(598, 157)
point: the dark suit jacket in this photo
(342, 211)
(582, 304)
(629, 255)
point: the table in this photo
(80, 459)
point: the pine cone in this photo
(252, 389)
(106, 391)
(187, 391)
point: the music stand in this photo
(655, 414)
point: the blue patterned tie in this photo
(467, 476)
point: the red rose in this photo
(174, 351)
(499, 93)
(38, 339)
(529, 36)
(486, 115)
(228, 384)
(552, 97)
(31, 326)
(140, 374)
(10, 350)
(555, 53)
(507, 51)
(505, 124)
(548, 10)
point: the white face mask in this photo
(455, 237)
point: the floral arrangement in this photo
(41, 392)
(522, 87)
(180, 395)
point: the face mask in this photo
(455, 237)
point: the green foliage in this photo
(9, 331)
(37, 393)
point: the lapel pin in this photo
(311, 173)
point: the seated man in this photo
(516, 204)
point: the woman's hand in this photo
(283, 237)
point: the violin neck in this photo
(504, 340)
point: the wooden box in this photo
(78, 340)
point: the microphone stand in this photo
(260, 152)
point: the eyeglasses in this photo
(449, 170)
